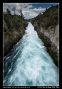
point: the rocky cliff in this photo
(47, 26)
(13, 27)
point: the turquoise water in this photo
(29, 64)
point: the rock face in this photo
(47, 26)
(51, 41)
(53, 34)
(13, 27)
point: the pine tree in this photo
(21, 13)
(8, 11)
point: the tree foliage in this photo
(8, 11)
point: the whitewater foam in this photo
(33, 66)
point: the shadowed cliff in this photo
(14, 27)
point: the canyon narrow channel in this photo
(29, 64)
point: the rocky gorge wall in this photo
(14, 28)
(50, 38)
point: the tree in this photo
(8, 11)
(21, 13)
(13, 9)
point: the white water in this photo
(29, 64)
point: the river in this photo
(29, 64)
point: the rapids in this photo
(29, 64)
